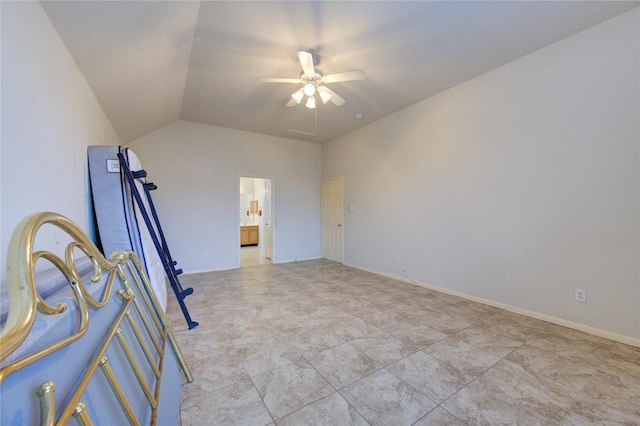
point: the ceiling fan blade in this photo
(337, 100)
(292, 102)
(306, 60)
(343, 76)
(278, 80)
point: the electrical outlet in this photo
(418, 264)
(581, 295)
(397, 259)
(204, 254)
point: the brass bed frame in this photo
(130, 349)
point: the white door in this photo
(268, 223)
(332, 219)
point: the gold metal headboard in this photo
(140, 313)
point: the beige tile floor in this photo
(252, 256)
(319, 343)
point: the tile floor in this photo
(252, 256)
(319, 343)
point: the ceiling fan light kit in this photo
(311, 102)
(325, 96)
(312, 79)
(298, 96)
(309, 89)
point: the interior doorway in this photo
(255, 203)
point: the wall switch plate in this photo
(397, 259)
(581, 295)
(204, 254)
(418, 264)
(113, 165)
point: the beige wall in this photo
(197, 168)
(49, 117)
(516, 187)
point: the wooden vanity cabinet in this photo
(249, 235)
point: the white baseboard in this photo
(228, 268)
(200, 271)
(296, 260)
(559, 321)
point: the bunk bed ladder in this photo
(150, 186)
(160, 244)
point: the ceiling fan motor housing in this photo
(317, 77)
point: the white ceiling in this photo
(152, 62)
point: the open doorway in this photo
(256, 220)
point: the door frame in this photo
(323, 181)
(272, 208)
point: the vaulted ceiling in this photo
(153, 62)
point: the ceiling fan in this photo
(312, 80)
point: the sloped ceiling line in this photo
(152, 62)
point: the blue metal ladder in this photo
(160, 243)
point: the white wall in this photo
(197, 167)
(516, 187)
(49, 117)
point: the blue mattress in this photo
(120, 226)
